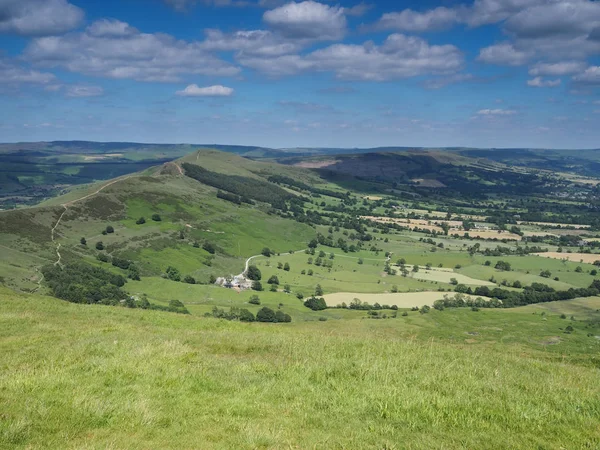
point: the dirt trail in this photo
(66, 207)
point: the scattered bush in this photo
(140, 221)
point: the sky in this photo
(423, 73)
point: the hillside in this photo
(171, 381)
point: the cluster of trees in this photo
(315, 303)
(82, 283)
(233, 198)
(460, 300)
(243, 187)
(243, 315)
(364, 306)
(536, 293)
(287, 181)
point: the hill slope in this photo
(141, 379)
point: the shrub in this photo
(282, 317)
(246, 316)
(209, 247)
(140, 221)
(405, 314)
(254, 300)
(265, 315)
(309, 273)
(156, 217)
(299, 295)
(286, 267)
(173, 274)
(273, 288)
(257, 286)
(425, 309)
(110, 229)
(273, 280)
(266, 252)
(189, 279)
(287, 288)
(545, 274)
(318, 290)
(103, 257)
(82, 241)
(99, 245)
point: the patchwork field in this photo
(587, 258)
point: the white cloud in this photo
(11, 73)
(557, 69)
(540, 82)
(308, 20)
(496, 112)
(398, 57)
(254, 42)
(591, 75)
(38, 17)
(113, 49)
(84, 91)
(409, 20)
(193, 90)
(503, 54)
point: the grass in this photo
(143, 379)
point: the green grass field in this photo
(119, 378)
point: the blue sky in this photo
(482, 73)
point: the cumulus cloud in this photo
(308, 19)
(38, 17)
(540, 82)
(10, 73)
(557, 69)
(591, 75)
(113, 49)
(84, 91)
(503, 54)
(398, 57)
(409, 20)
(253, 42)
(193, 90)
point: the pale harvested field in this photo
(494, 235)
(316, 164)
(441, 215)
(429, 182)
(553, 225)
(587, 258)
(373, 197)
(444, 276)
(401, 300)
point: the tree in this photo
(318, 290)
(545, 274)
(99, 245)
(309, 273)
(82, 241)
(253, 273)
(360, 261)
(273, 288)
(394, 289)
(254, 300)
(286, 267)
(257, 286)
(156, 217)
(110, 229)
(246, 316)
(140, 221)
(578, 269)
(287, 288)
(401, 262)
(502, 265)
(415, 268)
(315, 303)
(189, 279)
(453, 281)
(266, 252)
(313, 243)
(212, 279)
(273, 280)
(265, 315)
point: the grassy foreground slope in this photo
(120, 378)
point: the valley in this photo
(364, 266)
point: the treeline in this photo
(243, 315)
(237, 199)
(82, 283)
(282, 179)
(536, 293)
(243, 187)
